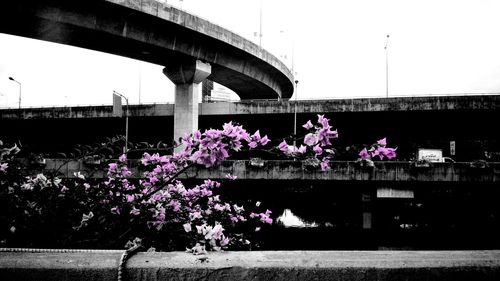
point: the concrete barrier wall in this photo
(298, 170)
(453, 103)
(273, 265)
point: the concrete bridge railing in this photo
(393, 171)
(275, 265)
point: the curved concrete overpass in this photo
(150, 31)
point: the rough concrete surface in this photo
(272, 265)
(394, 171)
(150, 31)
(419, 104)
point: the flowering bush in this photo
(155, 205)
(378, 149)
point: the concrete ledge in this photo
(273, 265)
(401, 104)
(395, 171)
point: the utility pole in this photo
(260, 25)
(387, 67)
(18, 83)
(295, 114)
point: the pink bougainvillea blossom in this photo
(379, 149)
(325, 165)
(122, 158)
(364, 154)
(310, 139)
(317, 150)
(284, 147)
(308, 125)
(382, 142)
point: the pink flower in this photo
(112, 168)
(217, 232)
(153, 180)
(364, 154)
(308, 125)
(283, 146)
(310, 139)
(125, 172)
(195, 215)
(157, 169)
(265, 217)
(176, 206)
(382, 142)
(390, 153)
(224, 242)
(130, 198)
(252, 144)
(318, 150)
(385, 151)
(122, 158)
(301, 150)
(324, 165)
(256, 136)
(378, 152)
(219, 207)
(325, 134)
(187, 227)
(265, 140)
(323, 121)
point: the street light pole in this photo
(387, 67)
(19, 83)
(295, 114)
(260, 25)
(126, 120)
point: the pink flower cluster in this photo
(379, 149)
(316, 143)
(175, 205)
(165, 204)
(214, 146)
(263, 217)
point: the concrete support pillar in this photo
(187, 76)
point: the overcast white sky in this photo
(436, 47)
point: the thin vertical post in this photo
(260, 25)
(126, 128)
(387, 67)
(295, 113)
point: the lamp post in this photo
(387, 67)
(260, 24)
(19, 83)
(295, 114)
(126, 120)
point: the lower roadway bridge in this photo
(391, 171)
